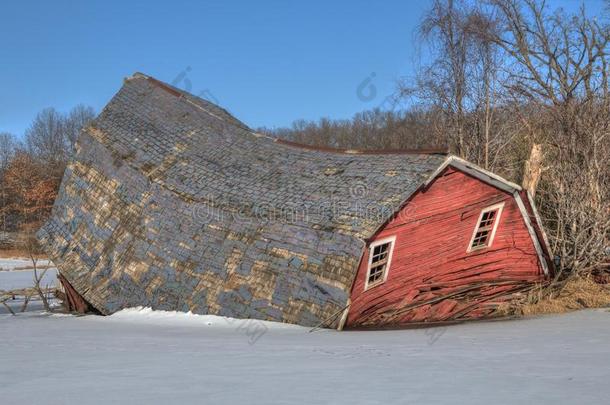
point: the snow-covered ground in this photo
(19, 263)
(17, 273)
(142, 357)
(14, 279)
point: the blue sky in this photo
(268, 62)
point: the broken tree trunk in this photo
(533, 169)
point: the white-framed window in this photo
(485, 230)
(380, 257)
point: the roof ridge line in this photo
(181, 95)
(428, 151)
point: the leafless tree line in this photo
(374, 129)
(518, 88)
(31, 168)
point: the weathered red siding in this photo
(432, 277)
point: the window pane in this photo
(484, 229)
(376, 273)
(480, 238)
(379, 259)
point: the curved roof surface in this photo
(204, 154)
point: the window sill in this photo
(375, 284)
(477, 249)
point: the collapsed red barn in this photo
(174, 204)
(462, 242)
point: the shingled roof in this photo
(207, 155)
(173, 203)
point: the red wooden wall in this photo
(432, 277)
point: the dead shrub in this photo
(573, 294)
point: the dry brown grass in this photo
(12, 253)
(577, 293)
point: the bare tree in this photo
(52, 135)
(444, 80)
(7, 151)
(7, 148)
(30, 244)
(78, 118)
(461, 83)
(559, 68)
(46, 137)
